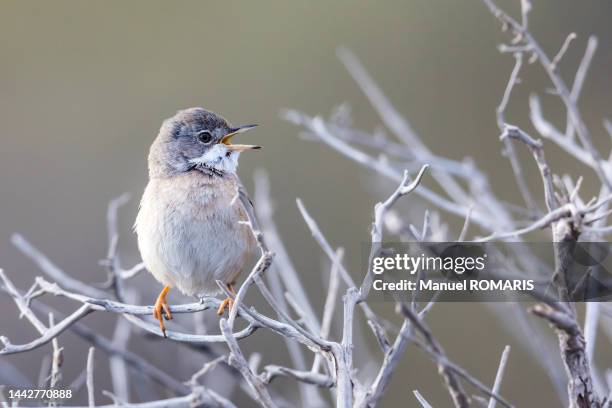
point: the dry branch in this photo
(462, 190)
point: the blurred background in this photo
(85, 86)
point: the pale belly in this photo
(191, 235)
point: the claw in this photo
(228, 302)
(161, 309)
(166, 308)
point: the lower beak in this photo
(241, 147)
(227, 139)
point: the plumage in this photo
(190, 233)
(190, 225)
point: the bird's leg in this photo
(162, 308)
(228, 301)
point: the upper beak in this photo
(227, 139)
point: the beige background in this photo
(84, 87)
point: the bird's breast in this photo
(191, 232)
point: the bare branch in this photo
(572, 109)
(329, 306)
(568, 40)
(513, 132)
(500, 375)
(380, 211)
(457, 393)
(396, 122)
(318, 127)
(373, 320)
(47, 334)
(262, 264)
(466, 226)
(543, 222)
(199, 397)
(52, 270)
(344, 354)
(462, 190)
(273, 371)
(112, 262)
(579, 79)
(421, 400)
(547, 130)
(501, 124)
(238, 361)
(283, 270)
(90, 378)
(118, 366)
(591, 323)
(391, 360)
(56, 360)
(289, 276)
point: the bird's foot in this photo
(228, 302)
(161, 309)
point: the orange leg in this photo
(228, 301)
(162, 308)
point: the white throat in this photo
(217, 158)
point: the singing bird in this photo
(190, 225)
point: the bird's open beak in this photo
(227, 139)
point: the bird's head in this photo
(195, 138)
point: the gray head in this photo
(196, 139)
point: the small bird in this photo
(190, 225)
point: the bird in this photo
(191, 229)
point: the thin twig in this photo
(579, 79)
(90, 378)
(572, 109)
(500, 375)
(329, 307)
(373, 320)
(56, 360)
(396, 122)
(289, 276)
(557, 58)
(118, 366)
(380, 210)
(262, 264)
(308, 377)
(237, 360)
(52, 270)
(513, 132)
(455, 389)
(421, 399)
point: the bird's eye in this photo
(205, 137)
